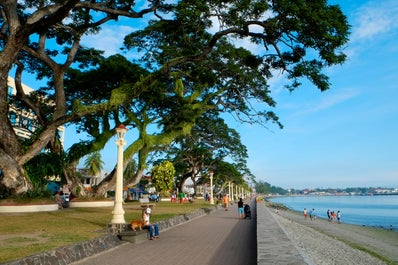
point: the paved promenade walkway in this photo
(219, 238)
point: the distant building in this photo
(88, 180)
(23, 121)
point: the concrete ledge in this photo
(177, 220)
(51, 207)
(134, 236)
(71, 253)
(91, 204)
(273, 246)
(28, 208)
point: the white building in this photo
(25, 122)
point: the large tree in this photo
(299, 37)
(28, 29)
(151, 107)
(210, 140)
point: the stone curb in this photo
(72, 253)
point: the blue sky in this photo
(344, 137)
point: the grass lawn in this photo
(24, 234)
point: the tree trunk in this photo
(193, 178)
(75, 185)
(106, 184)
(136, 179)
(12, 179)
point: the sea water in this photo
(375, 211)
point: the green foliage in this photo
(43, 166)
(266, 188)
(130, 171)
(93, 163)
(33, 193)
(300, 38)
(163, 176)
(38, 193)
(210, 142)
(226, 172)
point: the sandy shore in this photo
(322, 242)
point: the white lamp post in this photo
(229, 190)
(118, 212)
(211, 187)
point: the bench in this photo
(144, 202)
(134, 236)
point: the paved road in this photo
(219, 238)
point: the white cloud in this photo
(109, 39)
(332, 100)
(375, 18)
(326, 102)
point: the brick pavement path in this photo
(219, 238)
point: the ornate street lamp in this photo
(211, 187)
(118, 212)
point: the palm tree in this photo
(94, 164)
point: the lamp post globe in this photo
(118, 212)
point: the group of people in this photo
(182, 197)
(311, 213)
(334, 217)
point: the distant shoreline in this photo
(330, 194)
(285, 207)
(366, 211)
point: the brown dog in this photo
(136, 223)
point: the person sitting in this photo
(153, 228)
(154, 197)
(59, 199)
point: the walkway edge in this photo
(273, 246)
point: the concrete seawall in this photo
(273, 246)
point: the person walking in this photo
(225, 201)
(312, 214)
(181, 195)
(305, 213)
(338, 216)
(240, 209)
